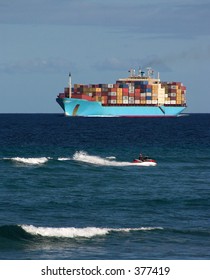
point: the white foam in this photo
(97, 160)
(30, 161)
(111, 157)
(72, 232)
(63, 159)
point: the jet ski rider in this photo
(141, 157)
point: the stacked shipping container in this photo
(175, 93)
(148, 92)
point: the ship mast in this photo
(69, 85)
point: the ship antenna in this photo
(148, 71)
(69, 85)
(139, 72)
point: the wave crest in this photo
(72, 232)
(30, 161)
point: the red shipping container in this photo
(61, 95)
(125, 90)
(137, 94)
(104, 93)
(110, 97)
(125, 93)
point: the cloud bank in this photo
(189, 17)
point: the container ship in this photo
(139, 95)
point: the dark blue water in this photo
(69, 190)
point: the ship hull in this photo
(84, 108)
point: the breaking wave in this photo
(29, 232)
(72, 232)
(29, 161)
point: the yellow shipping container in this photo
(154, 88)
(166, 90)
(98, 98)
(84, 90)
(119, 95)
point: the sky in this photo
(98, 41)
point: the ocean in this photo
(69, 189)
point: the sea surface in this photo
(69, 189)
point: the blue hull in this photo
(84, 108)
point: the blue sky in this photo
(98, 41)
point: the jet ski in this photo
(145, 161)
